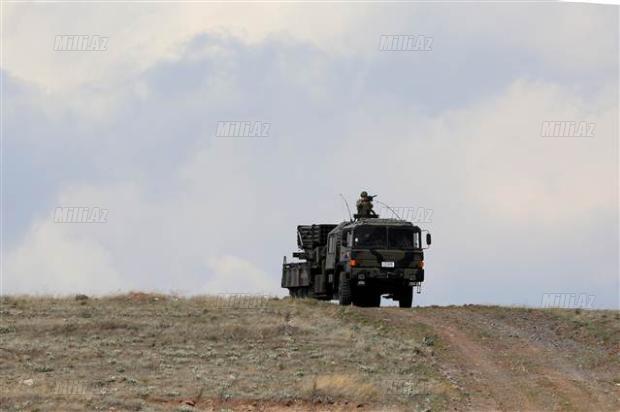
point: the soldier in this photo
(364, 206)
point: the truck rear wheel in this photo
(344, 291)
(365, 298)
(374, 299)
(299, 292)
(405, 297)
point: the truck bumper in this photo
(385, 276)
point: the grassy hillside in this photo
(151, 352)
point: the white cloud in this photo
(232, 274)
(491, 180)
(142, 35)
(192, 212)
(55, 260)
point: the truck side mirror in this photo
(428, 239)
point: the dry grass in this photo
(152, 351)
(341, 386)
(143, 351)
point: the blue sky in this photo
(456, 130)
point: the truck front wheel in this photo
(405, 298)
(344, 290)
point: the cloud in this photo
(514, 214)
(141, 36)
(53, 260)
(231, 274)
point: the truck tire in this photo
(374, 300)
(406, 297)
(344, 291)
(360, 298)
(365, 298)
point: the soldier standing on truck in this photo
(364, 205)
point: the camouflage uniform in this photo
(364, 206)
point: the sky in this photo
(452, 132)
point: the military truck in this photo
(358, 261)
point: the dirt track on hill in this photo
(153, 352)
(513, 368)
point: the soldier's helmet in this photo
(364, 194)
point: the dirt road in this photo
(512, 360)
(153, 352)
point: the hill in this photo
(156, 352)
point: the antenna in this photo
(347, 204)
(391, 210)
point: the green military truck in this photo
(357, 262)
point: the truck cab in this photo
(372, 257)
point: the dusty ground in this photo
(148, 352)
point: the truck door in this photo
(345, 244)
(330, 258)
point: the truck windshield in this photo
(383, 237)
(370, 237)
(402, 238)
